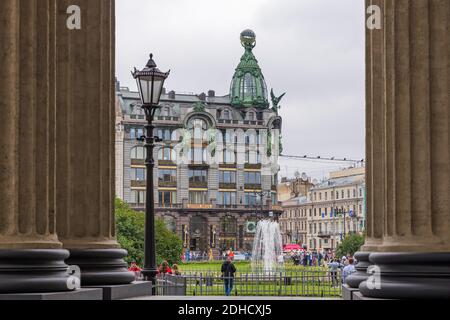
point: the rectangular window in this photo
(167, 198)
(250, 199)
(167, 175)
(133, 134)
(252, 177)
(138, 174)
(198, 197)
(138, 197)
(227, 177)
(198, 175)
(275, 200)
(227, 198)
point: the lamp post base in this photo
(101, 266)
(409, 276)
(33, 271)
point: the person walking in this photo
(319, 258)
(228, 271)
(348, 270)
(334, 267)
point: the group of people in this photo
(189, 256)
(164, 268)
(347, 265)
(328, 259)
(310, 258)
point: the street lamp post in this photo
(150, 82)
(342, 213)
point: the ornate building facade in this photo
(217, 165)
(312, 219)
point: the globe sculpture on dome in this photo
(248, 38)
(248, 87)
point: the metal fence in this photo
(299, 283)
(169, 285)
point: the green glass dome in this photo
(248, 88)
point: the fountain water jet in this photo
(267, 257)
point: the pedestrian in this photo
(348, 270)
(334, 267)
(176, 270)
(137, 271)
(164, 268)
(188, 255)
(228, 271)
(211, 255)
(231, 255)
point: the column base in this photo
(101, 267)
(33, 271)
(127, 291)
(77, 295)
(348, 293)
(361, 274)
(410, 276)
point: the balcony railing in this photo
(172, 119)
(241, 207)
(238, 122)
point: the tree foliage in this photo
(351, 244)
(130, 235)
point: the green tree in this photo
(130, 235)
(351, 244)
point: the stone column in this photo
(31, 258)
(409, 179)
(85, 144)
(375, 148)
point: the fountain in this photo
(267, 257)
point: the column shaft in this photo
(30, 255)
(416, 117)
(408, 138)
(85, 145)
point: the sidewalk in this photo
(197, 298)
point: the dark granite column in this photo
(31, 258)
(85, 144)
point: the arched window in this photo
(165, 112)
(248, 86)
(226, 115)
(228, 225)
(251, 116)
(138, 153)
(198, 128)
(170, 223)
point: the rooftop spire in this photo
(248, 88)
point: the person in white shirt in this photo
(348, 270)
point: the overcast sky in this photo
(311, 49)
